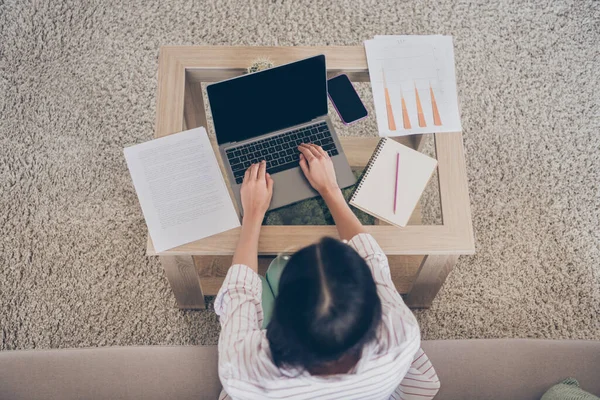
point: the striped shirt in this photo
(391, 367)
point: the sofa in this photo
(468, 369)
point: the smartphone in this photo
(345, 99)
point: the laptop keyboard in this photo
(281, 151)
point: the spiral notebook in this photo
(377, 189)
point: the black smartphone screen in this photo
(345, 99)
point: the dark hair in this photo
(327, 306)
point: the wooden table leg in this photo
(184, 280)
(430, 278)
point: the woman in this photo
(339, 328)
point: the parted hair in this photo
(327, 306)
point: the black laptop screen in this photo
(270, 100)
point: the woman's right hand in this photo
(318, 168)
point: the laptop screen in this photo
(266, 101)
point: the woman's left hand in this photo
(256, 191)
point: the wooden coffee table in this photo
(421, 256)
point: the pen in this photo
(396, 185)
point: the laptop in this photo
(266, 115)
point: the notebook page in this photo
(180, 188)
(376, 194)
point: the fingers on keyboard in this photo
(281, 152)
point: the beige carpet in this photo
(78, 83)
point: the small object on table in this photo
(260, 64)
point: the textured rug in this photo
(78, 83)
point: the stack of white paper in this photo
(414, 84)
(180, 188)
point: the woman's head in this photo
(327, 306)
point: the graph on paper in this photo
(414, 84)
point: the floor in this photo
(78, 83)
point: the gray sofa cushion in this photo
(511, 368)
(468, 369)
(149, 373)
